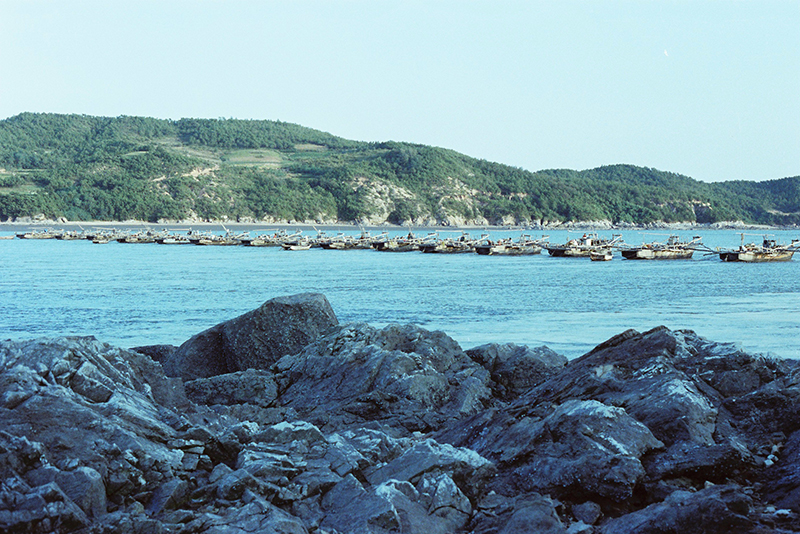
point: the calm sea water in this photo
(132, 295)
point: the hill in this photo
(101, 168)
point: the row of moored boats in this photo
(589, 245)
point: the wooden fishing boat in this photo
(300, 244)
(38, 234)
(525, 246)
(582, 247)
(398, 244)
(228, 239)
(673, 249)
(460, 245)
(174, 239)
(71, 235)
(768, 251)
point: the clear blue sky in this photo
(709, 89)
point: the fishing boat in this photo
(673, 249)
(299, 244)
(601, 254)
(228, 239)
(525, 246)
(174, 239)
(38, 234)
(275, 239)
(582, 247)
(141, 237)
(102, 238)
(462, 244)
(398, 244)
(71, 235)
(768, 251)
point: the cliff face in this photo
(358, 429)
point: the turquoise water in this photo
(130, 295)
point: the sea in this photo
(144, 294)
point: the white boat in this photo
(605, 254)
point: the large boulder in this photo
(517, 368)
(403, 376)
(713, 510)
(257, 339)
(695, 396)
(583, 449)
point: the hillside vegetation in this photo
(100, 168)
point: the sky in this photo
(705, 88)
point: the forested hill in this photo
(99, 168)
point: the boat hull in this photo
(508, 250)
(756, 257)
(559, 252)
(604, 255)
(650, 254)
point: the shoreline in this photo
(328, 226)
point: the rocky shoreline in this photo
(283, 420)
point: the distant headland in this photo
(86, 168)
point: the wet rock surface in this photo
(351, 428)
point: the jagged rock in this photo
(251, 386)
(406, 376)
(714, 510)
(578, 448)
(290, 432)
(587, 512)
(460, 464)
(158, 353)
(782, 477)
(397, 429)
(45, 509)
(257, 339)
(254, 515)
(660, 377)
(517, 367)
(83, 485)
(520, 514)
(393, 505)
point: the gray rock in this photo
(461, 464)
(40, 510)
(407, 377)
(397, 429)
(665, 380)
(251, 386)
(714, 510)
(782, 480)
(578, 448)
(84, 486)
(158, 353)
(516, 368)
(523, 513)
(535, 514)
(257, 339)
(391, 506)
(169, 496)
(588, 512)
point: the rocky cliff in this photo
(284, 420)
